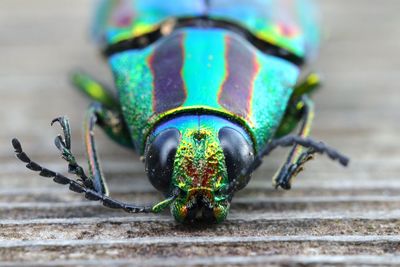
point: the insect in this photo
(206, 90)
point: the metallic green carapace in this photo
(204, 90)
(214, 71)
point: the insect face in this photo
(201, 176)
(201, 163)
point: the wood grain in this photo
(333, 216)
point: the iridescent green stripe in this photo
(204, 68)
(134, 80)
(273, 87)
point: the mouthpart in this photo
(199, 205)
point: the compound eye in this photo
(238, 155)
(160, 157)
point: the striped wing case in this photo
(205, 70)
(200, 71)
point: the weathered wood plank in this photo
(125, 228)
(199, 246)
(331, 217)
(250, 261)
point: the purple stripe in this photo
(166, 64)
(237, 89)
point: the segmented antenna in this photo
(292, 140)
(75, 186)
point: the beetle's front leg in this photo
(297, 158)
(301, 109)
(63, 143)
(112, 122)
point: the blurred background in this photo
(332, 215)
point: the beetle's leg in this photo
(111, 123)
(294, 113)
(111, 118)
(63, 143)
(306, 87)
(295, 140)
(297, 158)
(95, 90)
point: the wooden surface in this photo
(332, 216)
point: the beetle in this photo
(206, 90)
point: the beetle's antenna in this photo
(290, 140)
(80, 188)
